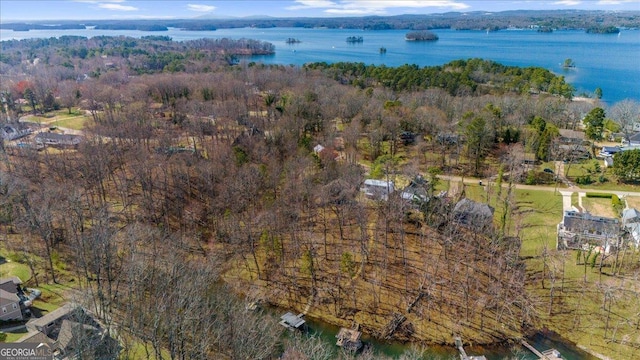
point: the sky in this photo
(12, 10)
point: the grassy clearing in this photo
(135, 349)
(14, 336)
(581, 169)
(535, 218)
(12, 268)
(599, 206)
(75, 123)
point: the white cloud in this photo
(200, 7)
(98, 1)
(362, 7)
(311, 4)
(117, 7)
(617, 2)
(567, 2)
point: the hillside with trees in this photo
(196, 190)
(476, 20)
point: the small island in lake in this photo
(422, 35)
(568, 64)
(293, 41)
(355, 39)
(603, 30)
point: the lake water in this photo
(611, 62)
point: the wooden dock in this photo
(349, 339)
(551, 354)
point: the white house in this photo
(631, 222)
(378, 189)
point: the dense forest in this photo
(557, 19)
(197, 189)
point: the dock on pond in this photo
(551, 354)
(463, 354)
(349, 339)
(292, 321)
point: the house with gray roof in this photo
(631, 224)
(57, 140)
(378, 189)
(580, 230)
(474, 215)
(14, 131)
(10, 300)
(634, 140)
(72, 332)
(630, 215)
(9, 306)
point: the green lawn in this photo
(536, 216)
(75, 123)
(14, 336)
(599, 206)
(12, 268)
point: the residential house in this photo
(630, 215)
(10, 306)
(571, 137)
(57, 140)
(10, 300)
(570, 145)
(474, 215)
(326, 153)
(378, 189)
(579, 230)
(607, 151)
(71, 332)
(634, 140)
(631, 223)
(609, 157)
(14, 131)
(11, 284)
(416, 191)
